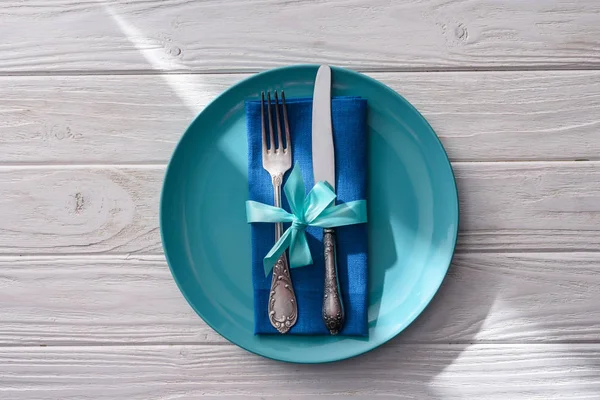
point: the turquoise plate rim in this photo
(408, 321)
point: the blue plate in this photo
(413, 216)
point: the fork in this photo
(277, 160)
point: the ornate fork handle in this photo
(283, 309)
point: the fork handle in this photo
(333, 307)
(283, 309)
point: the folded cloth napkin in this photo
(349, 133)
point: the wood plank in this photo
(75, 210)
(480, 116)
(545, 372)
(95, 300)
(176, 35)
(514, 297)
(110, 210)
(524, 206)
(486, 297)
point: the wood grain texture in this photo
(176, 35)
(529, 206)
(486, 298)
(73, 210)
(110, 210)
(94, 300)
(559, 371)
(127, 119)
(95, 94)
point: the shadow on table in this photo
(413, 360)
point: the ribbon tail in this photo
(277, 250)
(299, 250)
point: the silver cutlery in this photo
(277, 160)
(324, 170)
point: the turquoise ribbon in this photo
(315, 209)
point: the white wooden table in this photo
(95, 94)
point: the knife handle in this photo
(333, 307)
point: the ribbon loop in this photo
(315, 209)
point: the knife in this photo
(324, 170)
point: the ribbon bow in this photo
(315, 209)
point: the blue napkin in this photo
(349, 116)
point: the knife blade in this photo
(323, 153)
(322, 135)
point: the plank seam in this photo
(229, 344)
(161, 164)
(160, 256)
(209, 71)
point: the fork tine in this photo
(279, 140)
(262, 122)
(285, 122)
(272, 140)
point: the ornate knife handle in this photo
(333, 307)
(283, 309)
